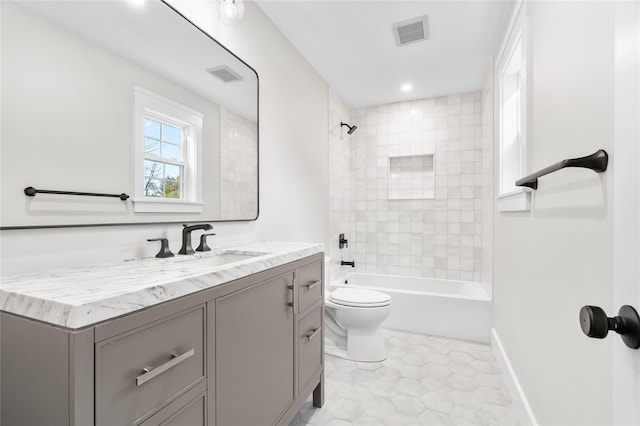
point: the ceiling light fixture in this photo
(137, 3)
(406, 88)
(229, 12)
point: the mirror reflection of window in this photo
(163, 160)
(168, 141)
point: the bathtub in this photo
(456, 309)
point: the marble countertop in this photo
(81, 296)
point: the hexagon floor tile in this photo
(426, 380)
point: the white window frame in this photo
(511, 198)
(148, 103)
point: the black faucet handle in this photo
(164, 247)
(203, 243)
(342, 241)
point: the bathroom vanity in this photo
(232, 337)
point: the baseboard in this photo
(520, 403)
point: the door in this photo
(626, 204)
(254, 337)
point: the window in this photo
(511, 108)
(511, 100)
(163, 158)
(168, 169)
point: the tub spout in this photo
(352, 263)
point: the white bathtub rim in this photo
(484, 286)
(417, 293)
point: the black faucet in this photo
(345, 263)
(186, 236)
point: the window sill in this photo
(147, 205)
(516, 201)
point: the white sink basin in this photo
(224, 258)
(218, 258)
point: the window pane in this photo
(153, 187)
(171, 134)
(153, 169)
(172, 188)
(152, 146)
(172, 172)
(171, 151)
(151, 128)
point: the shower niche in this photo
(411, 177)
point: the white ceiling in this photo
(351, 45)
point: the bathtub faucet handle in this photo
(352, 263)
(342, 241)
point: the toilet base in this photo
(367, 348)
(330, 348)
(366, 345)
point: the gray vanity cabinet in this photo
(248, 352)
(254, 353)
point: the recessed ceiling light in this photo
(406, 88)
(137, 3)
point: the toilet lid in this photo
(360, 297)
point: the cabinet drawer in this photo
(309, 345)
(140, 371)
(193, 413)
(310, 285)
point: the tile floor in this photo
(425, 380)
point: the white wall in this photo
(293, 161)
(551, 261)
(487, 179)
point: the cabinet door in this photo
(254, 353)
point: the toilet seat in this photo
(357, 297)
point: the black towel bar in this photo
(31, 191)
(597, 162)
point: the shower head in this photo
(351, 128)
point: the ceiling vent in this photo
(411, 30)
(225, 74)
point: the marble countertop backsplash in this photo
(81, 296)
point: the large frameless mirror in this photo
(130, 102)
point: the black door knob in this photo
(595, 323)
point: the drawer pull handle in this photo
(312, 284)
(313, 334)
(151, 372)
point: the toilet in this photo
(353, 317)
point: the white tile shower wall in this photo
(340, 185)
(440, 237)
(238, 166)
